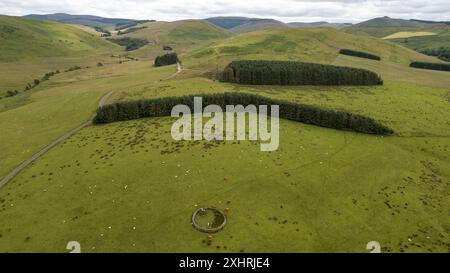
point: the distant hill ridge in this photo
(319, 24)
(86, 20)
(431, 22)
(234, 21)
(245, 24)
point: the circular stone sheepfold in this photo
(209, 220)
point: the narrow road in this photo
(27, 162)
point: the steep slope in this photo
(311, 45)
(25, 38)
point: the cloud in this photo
(284, 10)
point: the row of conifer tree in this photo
(308, 114)
(296, 73)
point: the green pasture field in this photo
(129, 187)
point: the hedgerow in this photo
(431, 66)
(359, 54)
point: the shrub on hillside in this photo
(359, 54)
(11, 93)
(73, 68)
(298, 112)
(296, 73)
(431, 66)
(104, 32)
(167, 59)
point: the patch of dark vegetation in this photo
(297, 112)
(129, 43)
(359, 54)
(442, 53)
(126, 25)
(104, 32)
(124, 58)
(167, 59)
(296, 73)
(73, 68)
(7, 29)
(11, 93)
(130, 30)
(431, 66)
(167, 48)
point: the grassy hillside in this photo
(261, 25)
(415, 35)
(308, 45)
(180, 35)
(385, 26)
(25, 39)
(421, 43)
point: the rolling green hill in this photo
(414, 34)
(385, 26)
(423, 43)
(25, 38)
(180, 35)
(244, 24)
(308, 45)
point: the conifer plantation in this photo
(161, 107)
(296, 73)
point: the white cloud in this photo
(285, 10)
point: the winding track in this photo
(179, 70)
(44, 150)
(27, 162)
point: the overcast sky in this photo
(284, 10)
